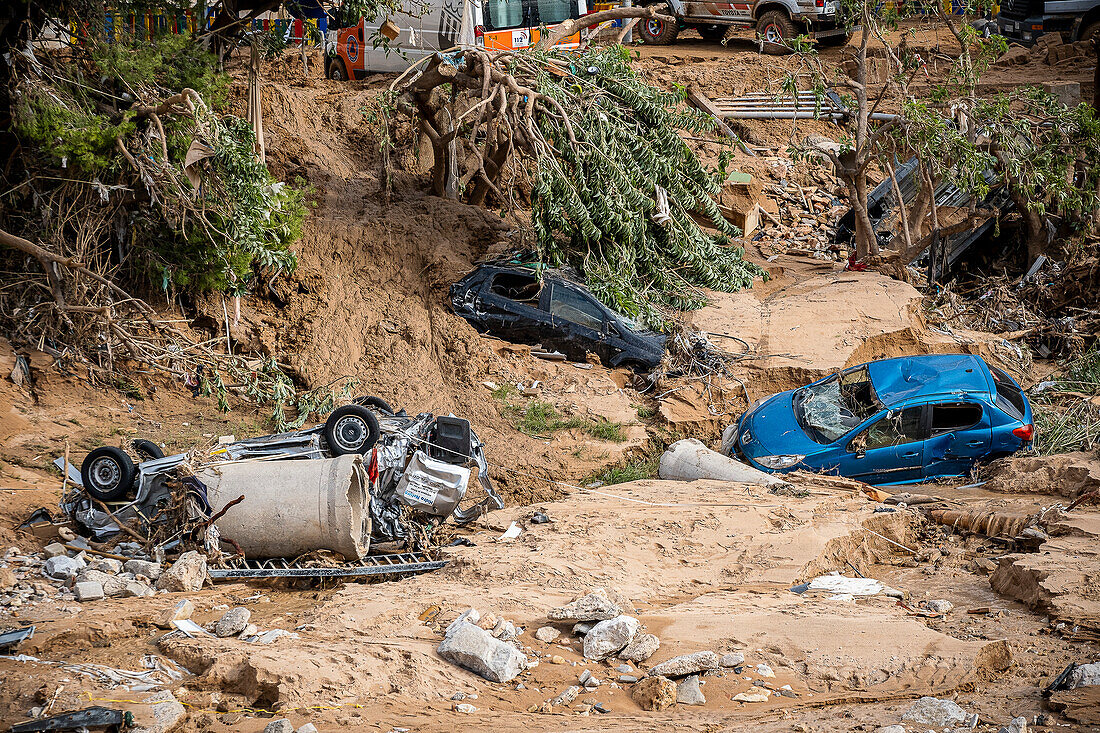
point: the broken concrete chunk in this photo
(1084, 675)
(308, 728)
(8, 578)
(282, 725)
(187, 574)
(233, 622)
(640, 648)
(475, 649)
(249, 631)
(150, 570)
(608, 637)
(582, 628)
(136, 589)
(689, 692)
(891, 729)
(937, 606)
(1016, 725)
(547, 634)
(753, 694)
(106, 565)
(733, 659)
(88, 590)
(934, 712)
(112, 585)
(504, 630)
(764, 670)
(685, 664)
(167, 713)
(654, 693)
(179, 612)
(596, 606)
(567, 697)
(61, 567)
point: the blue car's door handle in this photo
(910, 455)
(976, 443)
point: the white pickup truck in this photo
(776, 21)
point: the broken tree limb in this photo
(703, 103)
(563, 30)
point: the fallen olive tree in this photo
(595, 152)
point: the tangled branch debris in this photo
(613, 188)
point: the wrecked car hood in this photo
(774, 430)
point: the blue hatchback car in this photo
(889, 422)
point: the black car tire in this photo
(107, 473)
(657, 32)
(713, 32)
(351, 429)
(377, 403)
(1092, 30)
(776, 27)
(147, 450)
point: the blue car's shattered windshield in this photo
(829, 409)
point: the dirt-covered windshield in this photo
(828, 410)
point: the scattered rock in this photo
(465, 707)
(504, 630)
(937, 606)
(250, 630)
(641, 648)
(470, 615)
(282, 725)
(61, 567)
(733, 659)
(8, 578)
(55, 549)
(187, 574)
(891, 729)
(582, 628)
(567, 697)
(488, 621)
(689, 692)
(107, 565)
(654, 693)
(150, 570)
(475, 649)
(88, 590)
(934, 712)
(753, 694)
(685, 664)
(764, 670)
(1017, 725)
(308, 728)
(586, 675)
(628, 679)
(557, 659)
(547, 634)
(596, 606)
(608, 637)
(167, 713)
(112, 585)
(233, 622)
(178, 612)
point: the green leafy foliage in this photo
(594, 199)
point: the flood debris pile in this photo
(322, 501)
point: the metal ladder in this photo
(404, 562)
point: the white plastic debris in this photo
(511, 533)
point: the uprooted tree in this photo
(595, 151)
(1045, 155)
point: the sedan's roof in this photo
(901, 379)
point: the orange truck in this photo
(355, 50)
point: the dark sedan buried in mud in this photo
(517, 304)
(893, 421)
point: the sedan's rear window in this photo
(1009, 396)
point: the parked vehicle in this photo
(1025, 21)
(438, 25)
(889, 422)
(776, 21)
(518, 304)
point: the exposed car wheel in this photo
(336, 70)
(657, 32)
(1092, 30)
(351, 429)
(777, 28)
(377, 403)
(107, 473)
(147, 450)
(713, 32)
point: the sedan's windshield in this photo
(829, 409)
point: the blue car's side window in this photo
(904, 427)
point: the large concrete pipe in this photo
(293, 507)
(689, 460)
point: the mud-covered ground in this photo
(706, 565)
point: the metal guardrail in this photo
(400, 563)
